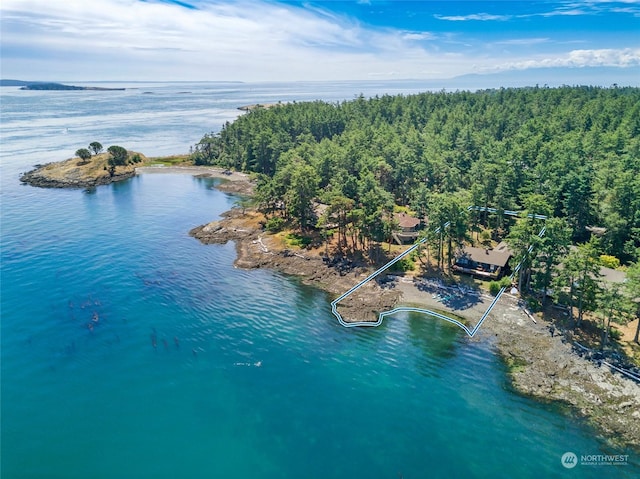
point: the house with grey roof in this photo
(483, 262)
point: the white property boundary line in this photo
(630, 374)
(428, 312)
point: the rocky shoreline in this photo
(541, 365)
(544, 365)
(40, 178)
(258, 250)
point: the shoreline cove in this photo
(540, 365)
(129, 349)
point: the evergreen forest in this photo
(569, 152)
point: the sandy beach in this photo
(432, 294)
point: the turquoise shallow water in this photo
(250, 375)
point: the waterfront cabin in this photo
(483, 262)
(320, 210)
(408, 228)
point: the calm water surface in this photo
(130, 350)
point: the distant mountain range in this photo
(552, 77)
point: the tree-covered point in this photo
(574, 149)
(119, 156)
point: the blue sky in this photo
(261, 40)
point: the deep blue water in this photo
(250, 376)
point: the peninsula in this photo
(86, 169)
(343, 189)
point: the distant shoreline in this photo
(52, 86)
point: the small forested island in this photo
(91, 167)
(344, 187)
(39, 85)
(60, 86)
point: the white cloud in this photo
(483, 17)
(250, 40)
(593, 7)
(125, 39)
(418, 36)
(522, 41)
(627, 57)
(569, 9)
(574, 12)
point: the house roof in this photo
(596, 230)
(608, 275)
(613, 275)
(497, 257)
(406, 221)
(319, 208)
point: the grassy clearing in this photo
(294, 240)
(173, 160)
(95, 168)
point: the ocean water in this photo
(130, 350)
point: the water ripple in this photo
(127, 340)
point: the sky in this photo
(269, 40)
